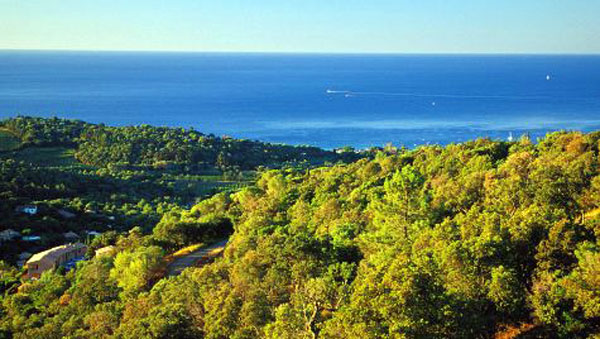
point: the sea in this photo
(325, 100)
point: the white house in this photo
(93, 233)
(27, 209)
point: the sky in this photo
(320, 26)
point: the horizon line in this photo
(294, 52)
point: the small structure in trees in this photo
(9, 235)
(66, 214)
(71, 236)
(27, 209)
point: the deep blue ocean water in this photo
(324, 100)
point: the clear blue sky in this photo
(402, 26)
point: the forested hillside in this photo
(468, 240)
(144, 145)
(114, 178)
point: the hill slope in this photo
(458, 241)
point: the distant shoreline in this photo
(308, 53)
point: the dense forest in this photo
(144, 145)
(473, 240)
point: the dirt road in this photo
(195, 258)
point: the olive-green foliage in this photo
(91, 301)
(99, 200)
(9, 278)
(47, 157)
(206, 221)
(437, 242)
(44, 132)
(160, 147)
(45, 172)
(135, 269)
(455, 241)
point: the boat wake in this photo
(420, 95)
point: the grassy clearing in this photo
(201, 185)
(46, 156)
(8, 141)
(205, 188)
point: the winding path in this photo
(195, 258)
